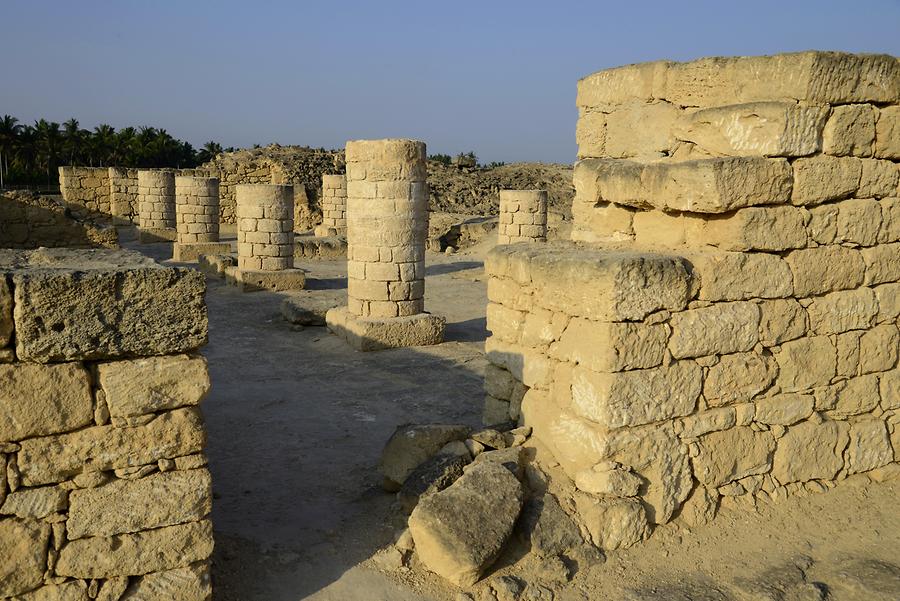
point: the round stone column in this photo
(265, 237)
(156, 205)
(387, 224)
(197, 218)
(523, 216)
(334, 206)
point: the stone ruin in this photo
(104, 491)
(523, 216)
(197, 219)
(334, 206)
(731, 331)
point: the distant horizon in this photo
(497, 79)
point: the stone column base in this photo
(191, 252)
(365, 334)
(216, 264)
(275, 281)
(152, 235)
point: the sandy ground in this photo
(297, 421)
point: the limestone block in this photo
(191, 583)
(755, 129)
(24, 557)
(601, 222)
(590, 134)
(140, 386)
(460, 531)
(636, 397)
(842, 311)
(727, 276)
(543, 327)
(73, 590)
(655, 454)
(850, 131)
(855, 396)
(717, 329)
(878, 179)
(737, 378)
(410, 445)
(35, 502)
(6, 312)
(671, 230)
(55, 458)
(806, 363)
(372, 334)
(609, 347)
(757, 228)
(121, 506)
(95, 304)
(823, 178)
(715, 185)
(858, 221)
(878, 349)
(784, 409)
(882, 263)
(810, 451)
(822, 225)
(136, 554)
(608, 479)
(812, 76)
(869, 447)
(781, 320)
(704, 422)
(613, 523)
(890, 220)
(597, 284)
(43, 399)
(825, 269)
(640, 130)
(888, 302)
(847, 346)
(890, 389)
(612, 87)
(887, 133)
(732, 454)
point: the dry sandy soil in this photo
(297, 421)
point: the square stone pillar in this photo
(197, 217)
(156, 205)
(387, 224)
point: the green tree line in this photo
(30, 154)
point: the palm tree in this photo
(49, 141)
(104, 140)
(9, 133)
(73, 140)
(209, 151)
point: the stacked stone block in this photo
(266, 236)
(387, 223)
(197, 216)
(733, 335)
(103, 478)
(123, 193)
(156, 205)
(523, 216)
(333, 203)
(86, 186)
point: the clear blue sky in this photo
(496, 77)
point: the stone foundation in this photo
(104, 485)
(732, 332)
(523, 216)
(387, 223)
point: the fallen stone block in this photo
(460, 531)
(433, 475)
(411, 445)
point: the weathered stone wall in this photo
(731, 335)
(103, 481)
(86, 186)
(28, 220)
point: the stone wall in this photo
(731, 334)
(104, 490)
(86, 186)
(28, 220)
